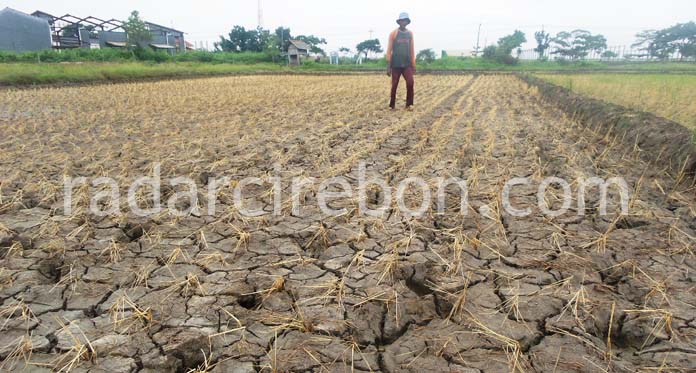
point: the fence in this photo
(618, 53)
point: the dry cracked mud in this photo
(485, 292)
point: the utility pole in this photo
(478, 41)
(260, 15)
(546, 40)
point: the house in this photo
(166, 38)
(21, 32)
(297, 51)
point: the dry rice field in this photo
(669, 96)
(305, 292)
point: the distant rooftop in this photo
(300, 44)
(17, 12)
(163, 27)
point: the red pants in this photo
(407, 72)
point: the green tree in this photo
(507, 44)
(662, 43)
(273, 43)
(609, 54)
(426, 55)
(236, 40)
(683, 37)
(688, 51)
(243, 40)
(489, 52)
(259, 40)
(137, 32)
(646, 41)
(543, 40)
(577, 44)
(502, 52)
(282, 37)
(367, 46)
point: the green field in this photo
(78, 68)
(667, 95)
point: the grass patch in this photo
(468, 63)
(25, 74)
(138, 55)
(669, 96)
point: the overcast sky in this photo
(437, 24)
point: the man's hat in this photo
(403, 16)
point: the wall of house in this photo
(111, 36)
(23, 33)
(157, 38)
(294, 57)
(162, 36)
(84, 38)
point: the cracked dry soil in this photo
(304, 292)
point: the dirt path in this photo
(305, 292)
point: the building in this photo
(70, 31)
(21, 32)
(166, 38)
(459, 52)
(297, 51)
(163, 38)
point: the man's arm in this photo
(390, 47)
(413, 51)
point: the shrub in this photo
(489, 52)
(147, 54)
(426, 55)
(8, 57)
(139, 54)
(507, 59)
(563, 61)
(195, 56)
(499, 55)
(224, 57)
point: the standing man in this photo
(401, 59)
